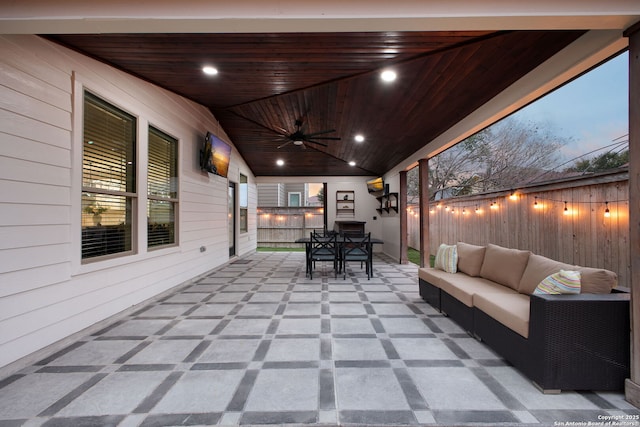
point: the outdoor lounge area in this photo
(151, 151)
(257, 342)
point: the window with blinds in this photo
(162, 194)
(108, 179)
(244, 203)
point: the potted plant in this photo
(97, 211)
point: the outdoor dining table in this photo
(339, 240)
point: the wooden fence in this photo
(280, 227)
(563, 220)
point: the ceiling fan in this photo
(299, 138)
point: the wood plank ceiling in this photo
(330, 81)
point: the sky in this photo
(592, 110)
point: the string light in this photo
(539, 203)
(513, 196)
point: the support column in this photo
(402, 211)
(325, 211)
(423, 189)
(632, 386)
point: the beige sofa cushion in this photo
(470, 258)
(433, 275)
(596, 280)
(592, 280)
(510, 309)
(463, 287)
(537, 269)
(504, 266)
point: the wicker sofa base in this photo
(576, 342)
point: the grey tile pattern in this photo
(257, 342)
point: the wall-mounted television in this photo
(375, 185)
(215, 155)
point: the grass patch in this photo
(265, 249)
(414, 257)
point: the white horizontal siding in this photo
(28, 128)
(22, 104)
(33, 235)
(33, 256)
(33, 278)
(24, 214)
(34, 151)
(46, 294)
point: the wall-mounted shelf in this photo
(345, 202)
(388, 202)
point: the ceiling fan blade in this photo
(283, 131)
(321, 132)
(316, 142)
(288, 142)
(331, 138)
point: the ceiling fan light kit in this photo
(301, 139)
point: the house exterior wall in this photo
(269, 195)
(46, 293)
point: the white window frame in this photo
(294, 193)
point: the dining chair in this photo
(322, 248)
(357, 248)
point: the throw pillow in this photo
(562, 282)
(447, 258)
(470, 258)
(503, 265)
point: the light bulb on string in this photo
(607, 214)
(566, 210)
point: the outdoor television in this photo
(375, 185)
(215, 155)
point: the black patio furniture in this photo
(323, 247)
(357, 248)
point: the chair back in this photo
(356, 248)
(323, 248)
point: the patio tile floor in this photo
(260, 343)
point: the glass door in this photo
(232, 219)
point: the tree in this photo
(508, 154)
(602, 162)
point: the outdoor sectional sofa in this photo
(560, 342)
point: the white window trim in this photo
(118, 98)
(300, 201)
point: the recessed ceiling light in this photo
(279, 162)
(352, 163)
(210, 71)
(388, 75)
(359, 138)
